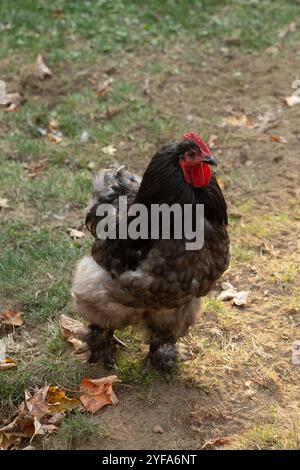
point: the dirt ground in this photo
(240, 383)
(248, 372)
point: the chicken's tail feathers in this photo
(108, 186)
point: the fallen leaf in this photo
(239, 120)
(292, 100)
(272, 50)
(59, 402)
(81, 349)
(212, 141)
(227, 285)
(53, 125)
(104, 87)
(218, 442)
(12, 318)
(49, 401)
(8, 363)
(13, 102)
(290, 28)
(34, 169)
(250, 393)
(109, 150)
(56, 418)
(157, 429)
(41, 68)
(230, 293)
(227, 294)
(146, 87)
(241, 298)
(58, 13)
(3, 203)
(268, 120)
(278, 139)
(36, 404)
(75, 234)
(98, 393)
(26, 425)
(55, 138)
(8, 440)
(69, 326)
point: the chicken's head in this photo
(195, 161)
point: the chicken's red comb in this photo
(198, 140)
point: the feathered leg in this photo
(163, 353)
(101, 343)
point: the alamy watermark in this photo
(160, 221)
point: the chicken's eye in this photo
(192, 153)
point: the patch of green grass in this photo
(56, 343)
(148, 397)
(76, 430)
(217, 307)
(241, 254)
(102, 26)
(36, 263)
(274, 436)
(49, 368)
(284, 274)
(132, 370)
(13, 383)
(62, 370)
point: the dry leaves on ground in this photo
(7, 364)
(25, 425)
(292, 100)
(278, 138)
(75, 234)
(212, 141)
(70, 328)
(240, 299)
(97, 393)
(13, 102)
(11, 318)
(239, 120)
(38, 414)
(59, 13)
(104, 87)
(58, 401)
(290, 28)
(34, 169)
(3, 203)
(218, 442)
(109, 150)
(41, 68)
(54, 135)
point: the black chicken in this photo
(153, 284)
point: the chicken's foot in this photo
(163, 354)
(100, 342)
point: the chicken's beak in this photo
(209, 161)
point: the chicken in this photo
(155, 285)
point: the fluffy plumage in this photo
(155, 285)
